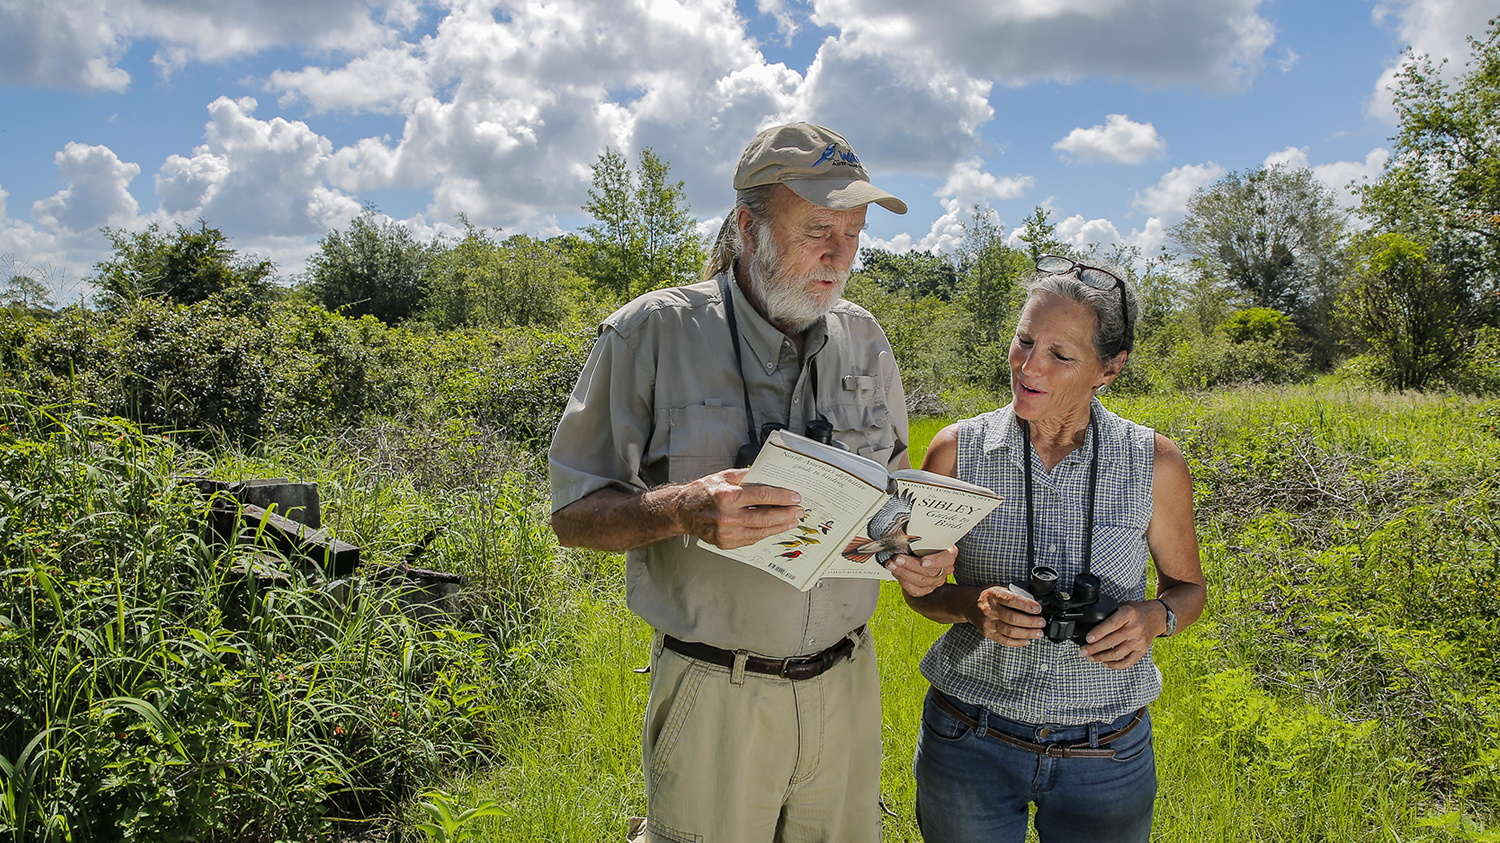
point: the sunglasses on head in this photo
(1093, 276)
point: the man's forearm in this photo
(612, 520)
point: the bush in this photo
(153, 692)
(1198, 362)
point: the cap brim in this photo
(844, 194)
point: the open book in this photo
(855, 515)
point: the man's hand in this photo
(718, 510)
(1006, 617)
(1122, 638)
(919, 576)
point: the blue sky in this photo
(276, 120)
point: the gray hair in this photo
(760, 199)
(1114, 331)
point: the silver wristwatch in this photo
(1171, 619)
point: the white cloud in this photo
(1219, 44)
(947, 231)
(98, 191)
(1169, 198)
(382, 81)
(1287, 61)
(900, 244)
(255, 177)
(504, 116)
(69, 45)
(969, 184)
(928, 113)
(1081, 233)
(1118, 141)
(1338, 175)
(1436, 28)
(785, 23)
(1342, 175)
(1149, 238)
(1294, 157)
(78, 43)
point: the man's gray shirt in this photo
(660, 401)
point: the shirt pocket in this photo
(864, 427)
(1120, 556)
(702, 439)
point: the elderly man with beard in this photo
(763, 722)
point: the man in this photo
(763, 722)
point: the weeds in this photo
(155, 688)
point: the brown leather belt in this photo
(795, 668)
(1051, 750)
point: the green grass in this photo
(1253, 740)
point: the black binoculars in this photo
(818, 430)
(1070, 616)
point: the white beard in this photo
(786, 300)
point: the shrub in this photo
(154, 692)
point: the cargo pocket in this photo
(702, 439)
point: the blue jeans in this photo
(972, 788)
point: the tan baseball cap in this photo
(814, 163)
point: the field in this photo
(1339, 686)
(1326, 695)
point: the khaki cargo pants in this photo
(750, 758)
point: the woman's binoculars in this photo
(1070, 616)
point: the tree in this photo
(375, 268)
(1407, 308)
(25, 287)
(1276, 235)
(916, 273)
(1040, 235)
(479, 282)
(672, 253)
(644, 236)
(187, 267)
(990, 275)
(1442, 183)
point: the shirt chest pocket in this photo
(864, 427)
(702, 439)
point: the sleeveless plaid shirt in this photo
(1047, 682)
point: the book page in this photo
(941, 514)
(834, 504)
(927, 514)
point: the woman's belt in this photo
(796, 667)
(1052, 750)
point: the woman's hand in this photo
(920, 576)
(1006, 617)
(1123, 637)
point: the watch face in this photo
(1171, 622)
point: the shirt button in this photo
(1044, 668)
(1051, 548)
(812, 641)
(770, 366)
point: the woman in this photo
(1017, 712)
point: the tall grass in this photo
(156, 689)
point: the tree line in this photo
(1266, 279)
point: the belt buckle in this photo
(796, 661)
(1062, 750)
